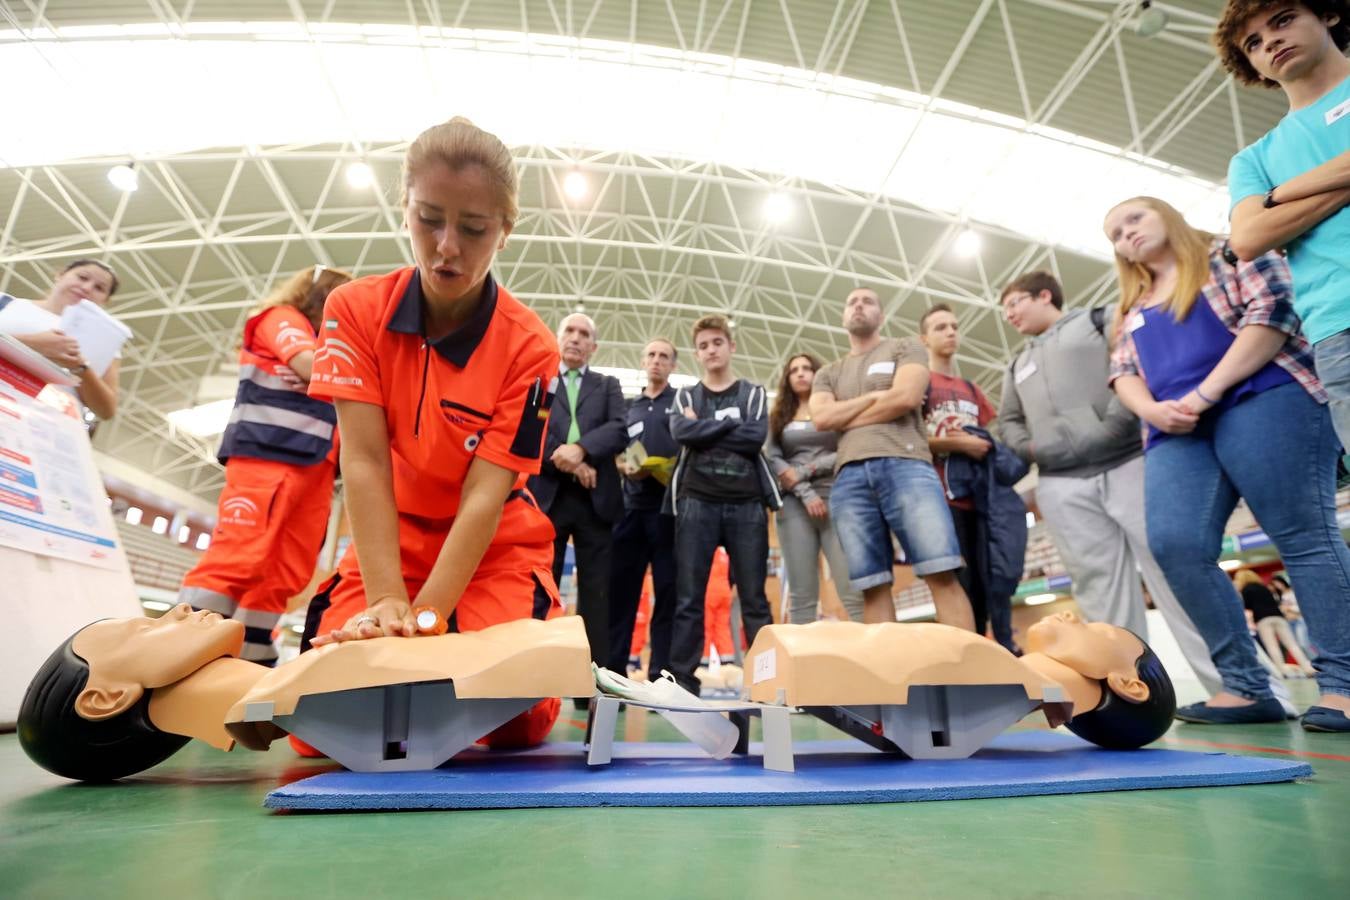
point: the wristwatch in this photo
(1270, 200)
(79, 370)
(429, 620)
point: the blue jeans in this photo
(1332, 358)
(700, 526)
(1277, 450)
(871, 499)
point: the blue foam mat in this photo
(653, 774)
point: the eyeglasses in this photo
(1015, 300)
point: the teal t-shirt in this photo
(1320, 257)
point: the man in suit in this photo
(578, 486)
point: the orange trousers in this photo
(513, 581)
(270, 525)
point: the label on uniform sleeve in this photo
(766, 666)
(882, 368)
(635, 429)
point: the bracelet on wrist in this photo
(1201, 395)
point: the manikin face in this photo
(1136, 231)
(713, 349)
(87, 282)
(658, 361)
(128, 656)
(1092, 649)
(942, 334)
(862, 313)
(1286, 42)
(576, 340)
(800, 375)
(457, 227)
(1029, 314)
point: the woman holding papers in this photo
(40, 325)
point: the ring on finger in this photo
(367, 620)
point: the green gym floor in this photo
(195, 827)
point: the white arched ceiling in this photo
(241, 126)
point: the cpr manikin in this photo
(938, 692)
(124, 694)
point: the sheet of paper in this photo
(100, 335)
(23, 317)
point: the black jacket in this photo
(989, 482)
(600, 413)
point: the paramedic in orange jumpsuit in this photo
(280, 456)
(442, 382)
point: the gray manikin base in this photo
(398, 728)
(938, 722)
(941, 721)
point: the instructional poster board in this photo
(51, 501)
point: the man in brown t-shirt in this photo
(884, 478)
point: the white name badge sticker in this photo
(1025, 372)
(1338, 112)
(798, 426)
(882, 368)
(1136, 322)
(635, 429)
(766, 666)
(731, 412)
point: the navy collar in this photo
(458, 345)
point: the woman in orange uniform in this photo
(280, 456)
(442, 383)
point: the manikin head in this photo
(1138, 701)
(86, 712)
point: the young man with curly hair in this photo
(1291, 187)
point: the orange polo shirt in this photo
(482, 390)
(282, 331)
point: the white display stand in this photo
(46, 597)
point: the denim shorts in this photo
(871, 499)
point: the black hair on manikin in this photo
(1118, 724)
(62, 741)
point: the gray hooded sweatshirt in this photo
(1057, 409)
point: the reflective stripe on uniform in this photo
(256, 618)
(262, 378)
(205, 598)
(282, 418)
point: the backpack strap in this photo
(1098, 316)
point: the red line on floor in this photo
(1281, 750)
(577, 723)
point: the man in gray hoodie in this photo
(1059, 413)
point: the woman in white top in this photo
(84, 279)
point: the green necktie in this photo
(573, 385)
